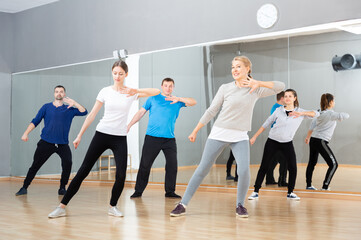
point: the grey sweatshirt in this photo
(285, 127)
(237, 105)
(324, 126)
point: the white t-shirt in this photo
(116, 109)
(227, 135)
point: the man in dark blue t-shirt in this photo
(163, 113)
(54, 136)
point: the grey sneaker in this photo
(293, 196)
(311, 188)
(58, 212)
(114, 211)
(253, 196)
(241, 211)
(22, 191)
(179, 210)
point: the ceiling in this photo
(14, 6)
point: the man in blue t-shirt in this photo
(163, 113)
(278, 158)
(54, 136)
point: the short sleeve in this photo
(101, 96)
(148, 104)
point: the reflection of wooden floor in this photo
(211, 215)
(346, 179)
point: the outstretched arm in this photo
(30, 128)
(188, 101)
(88, 120)
(193, 135)
(136, 117)
(253, 139)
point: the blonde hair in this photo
(245, 61)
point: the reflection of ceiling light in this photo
(353, 28)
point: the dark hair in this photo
(280, 95)
(326, 100)
(60, 86)
(121, 64)
(167, 80)
(296, 104)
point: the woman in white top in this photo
(110, 133)
(320, 133)
(286, 121)
(235, 101)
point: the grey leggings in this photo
(212, 150)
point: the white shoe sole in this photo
(242, 216)
(112, 214)
(61, 215)
(177, 215)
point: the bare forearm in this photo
(260, 130)
(198, 127)
(30, 128)
(309, 113)
(309, 133)
(136, 118)
(188, 101)
(148, 92)
(88, 120)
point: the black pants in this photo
(229, 165)
(42, 153)
(270, 148)
(151, 148)
(319, 146)
(278, 158)
(100, 143)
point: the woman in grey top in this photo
(287, 120)
(320, 133)
(235, 101)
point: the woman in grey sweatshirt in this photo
(320, 133)
(235, 101)
(287, 120)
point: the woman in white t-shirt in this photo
(110, 133)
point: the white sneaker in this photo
(326, 189)
(253, 196)
(293, 196)
(114, 211)
(311, 188)
(58, 212)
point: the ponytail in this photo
(326, 100)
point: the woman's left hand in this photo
(129, 91)
(250, 83)
(295, 114)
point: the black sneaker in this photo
(22, 191)
(136, 195)
(282, 184)
(172, 195)
(271, 182)
(235, 179)
(61, 191)
(179, 210)
(229, 177)
(241, 211)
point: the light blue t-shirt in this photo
(274, 107)
(162, 116)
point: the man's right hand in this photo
(25, 137)
(76, 142)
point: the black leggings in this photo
(100, 143)
(42, 153)
(270, 148)
(229, 165)
(319, 146)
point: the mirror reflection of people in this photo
(318, 137)
(111, 133)
(235, 101)
(54, 136)
(163, 112)
(229, 168)
(287, 120)
(278, 157)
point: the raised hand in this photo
(129, 91)
(250, 83)
(69, 101)
(174, 99)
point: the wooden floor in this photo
(210, 214)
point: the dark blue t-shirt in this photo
(57, 122)
(162, 116)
